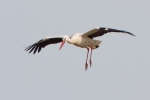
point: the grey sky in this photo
(121, 65)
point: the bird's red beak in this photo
(62, 44)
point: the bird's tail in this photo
(97, 42)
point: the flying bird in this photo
(84, 40)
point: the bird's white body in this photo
(84, 40)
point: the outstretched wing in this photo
(42, 43)
(101, 31)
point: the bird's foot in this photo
(86, 66)
(90, 63)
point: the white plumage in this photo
(84, 40)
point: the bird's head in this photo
(64, 39)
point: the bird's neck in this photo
(69, 41)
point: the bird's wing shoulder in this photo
(90, 32)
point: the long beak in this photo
(62, 44)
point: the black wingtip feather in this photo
(39, 49)
(130, 34)
(28, 47)
(35, 49)
(32, 48)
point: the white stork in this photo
(84, 40)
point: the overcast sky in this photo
(121, 65)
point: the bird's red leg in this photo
(86, 65)
(90, 61)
